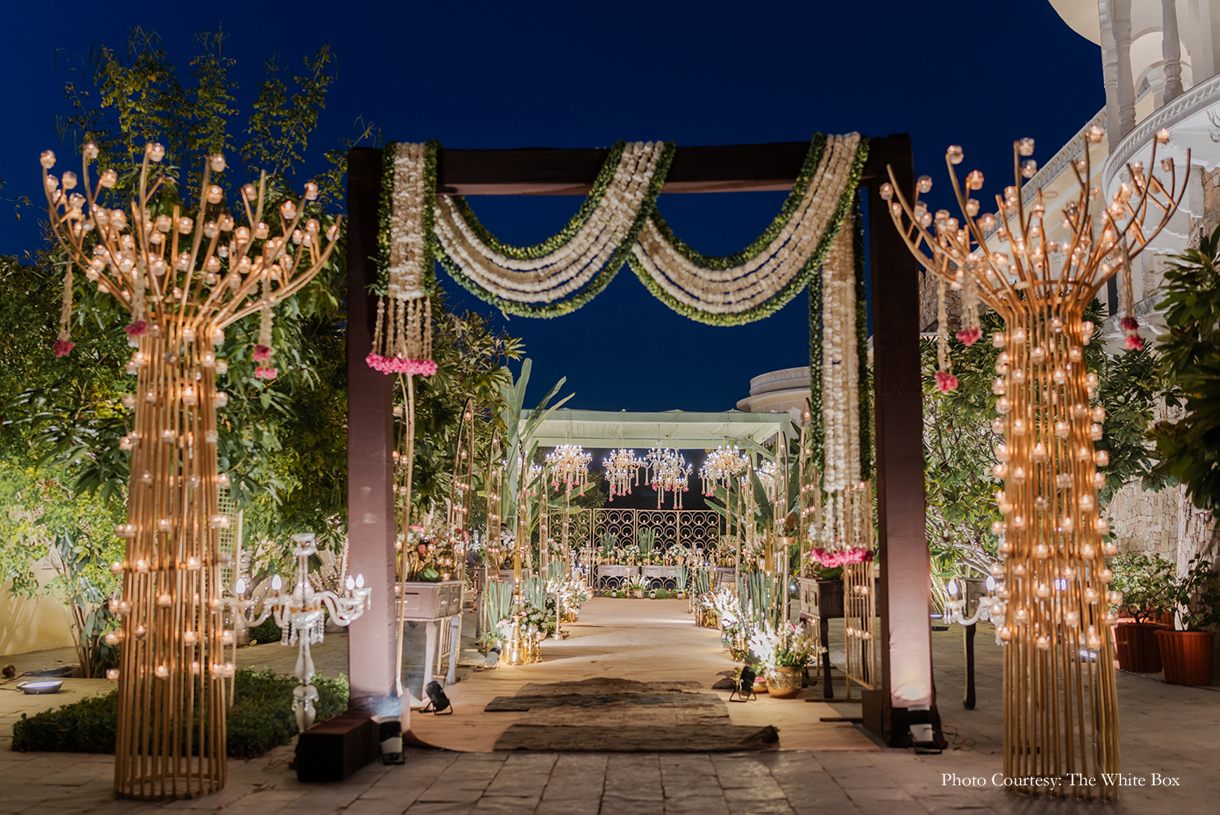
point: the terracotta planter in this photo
(1137, 647)
(1187, 656)
(785, 683)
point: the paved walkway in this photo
(645, 640)
(1169, 730)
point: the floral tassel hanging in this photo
(945, 380)
(263, 349)
(1131, 326)
(971, 329)
(402, 341)
(63, 343)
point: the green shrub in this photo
(661, 594)
(259, 720)
(266, 631)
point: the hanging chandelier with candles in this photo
(569, 466)
(720, 466)
(622, 470)
(670, 473)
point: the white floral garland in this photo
(568, 268)
(741, 288)
(402, 342)
(840, 365)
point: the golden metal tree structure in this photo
(1060, 711)
(184, 279)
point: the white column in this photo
(1126, 83)
(1171, 50)
(1109, 70)
(1207, 64)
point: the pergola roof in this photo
(601, 429)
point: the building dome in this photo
(777, 391)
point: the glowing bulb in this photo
(276, 583)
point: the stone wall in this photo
(927, 304)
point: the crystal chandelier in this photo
(721, 465)
(621, 469)
(670, 473)
(569, 466)
(768, 475)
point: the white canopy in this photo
(671, 428)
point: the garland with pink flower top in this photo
(402, 340)
(832, 560)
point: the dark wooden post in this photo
(370, 447)
(903, 590)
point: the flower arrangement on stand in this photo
(427, 557)
(784, 650)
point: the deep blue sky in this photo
(579, 74)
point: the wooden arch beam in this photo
(903, 590)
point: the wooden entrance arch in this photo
(903, 589)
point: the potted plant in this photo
(1146, 583)
(638, 586)
(680, 576)
(1187, 654)
(784, 650)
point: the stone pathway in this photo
(1167, 730)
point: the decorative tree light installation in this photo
(184, 279)
(622, 469)
(1060, 711)
(720, 467)
(670, 473)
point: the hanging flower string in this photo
(402, 340)
(263, 350)
(1130, 325)
(846, 557)
(945, 380)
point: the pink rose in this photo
(137, 329)
(1134, 342)
(265, 373)
(262, 353)
(946, 381)
(969, 336)
(1130, 324)
(63, 347)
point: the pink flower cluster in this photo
(1131, 328)
(63, 347)
(831, 560)
(946, 381)
(265, 373)
(137, 329)
(970, 336)
(262, 353)
(401, 365)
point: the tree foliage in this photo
(1189, 446)
(959, 442)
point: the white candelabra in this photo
(989, 609)
(301, 615)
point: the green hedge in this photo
(259, 719)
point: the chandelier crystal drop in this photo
(569, 466)
(670, 473)
(622, 469)
(720, 466)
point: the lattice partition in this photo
(693, 528)
(860, 625)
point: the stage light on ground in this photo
(438, 702)
(390, 733)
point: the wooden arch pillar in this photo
(903, 590)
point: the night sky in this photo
(581, 74)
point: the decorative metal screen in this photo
(860, 624)
(230, 539)
(692, 528)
